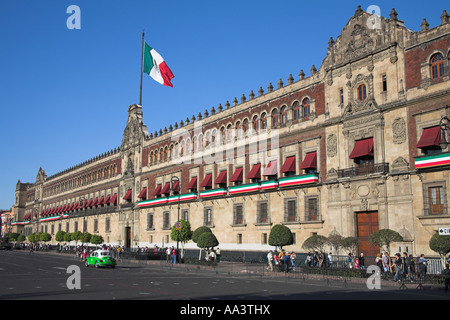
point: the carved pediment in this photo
(135, 131)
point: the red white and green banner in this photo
(244, 188)
(213, 193)
(435, 160)
(52, 218)
(156, 67)
(304, 179)
(152, 202)
(269, 184)
(183, 197)
(20, 223)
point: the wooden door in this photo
(367, 223)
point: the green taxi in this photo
(100, 258)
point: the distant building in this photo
(352, 148)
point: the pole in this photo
(142, 68)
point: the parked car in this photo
(100, 258)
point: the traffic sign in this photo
(178, 226)
(444, 231)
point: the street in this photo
(43, 276)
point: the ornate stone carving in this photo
(331, 145)
(399, 130)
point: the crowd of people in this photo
(402, 266)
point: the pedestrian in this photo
(293, 257)
(286, 261)
(422, 266)
(405, 265)
(361, 261)
(350, 260)
(398, 266)
(309, 259)
(218, 254)
(385, 259)
(330, 259)
(168, 254)
(270, 260)
(446, 274)
(356, 263)
(281, 258)
(174, 255)
(276, 259)
(379, 262)
(412, 267)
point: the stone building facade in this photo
(352, 148)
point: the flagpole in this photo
(142, 68)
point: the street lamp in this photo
(173, 180)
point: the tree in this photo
(315, 243)
(32, 238)
(441, 245)
(280, 236)
(351, 244)
(86, 237)
(335, 241)
(59, 236)
(77, 235)
(45, 236)
(197, 233)
(383, 238)
(13, 236)
(207, 240)
(96, 239)
(67, 237)
(184, 235)
(21, 238)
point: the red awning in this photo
(101, 201)
(222, 178)
(207, 181)
(157, 191)
(75, 207)
(143, 194)
(175, 186)
(310, 161)
(128, 195)
(107, 199)
(362, 148)
(90, 203)
(193, 183)
(166, 188)
(113, 199)
(95, 202)
(271, 169)
(430, 137)
(288, 165)
(237, 175)
(255, 173)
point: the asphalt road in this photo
(44, 277)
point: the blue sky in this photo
(64, 94)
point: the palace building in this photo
(357, 146)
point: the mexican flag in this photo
(156, 67)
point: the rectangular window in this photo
(437, 200)
(384, 80)
(107, 224)
(150, 221)
(166, 220)
(312, 209)
(207, 217)
(75, 228)
(238, 214)
(239, 238)
(341, 96)
(185, 215)
(264, 238)
(95, 225)
(263, 213)
(290, 210)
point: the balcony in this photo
(364, 170)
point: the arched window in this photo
(183, 148)
(255, 124)
(274, 118)
(238, 130)
(245, 127)
(229, 132)
(263, 121)
(283, 118)
(362, 92)
(296, 111)
(306, 108)
(195, 144)
(222, 135)
(437, 66)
